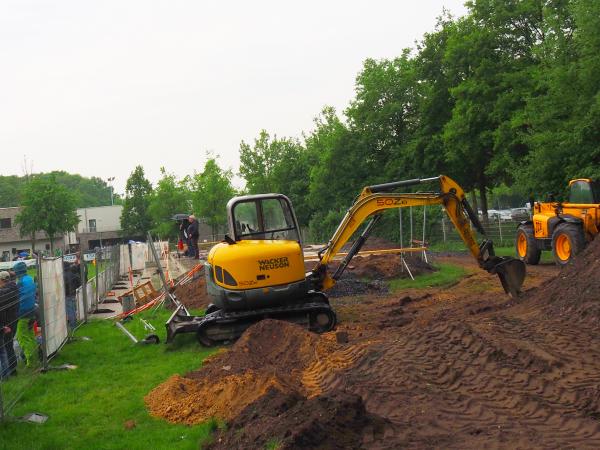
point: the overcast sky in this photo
(97, 87)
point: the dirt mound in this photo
(374, 243)
(574, 293)
(193, 293)
(337, 420)
(386, 266)
(270, 354)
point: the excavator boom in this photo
(374, 200)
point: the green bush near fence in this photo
(89, 407)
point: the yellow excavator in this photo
(563, 227)
(259, 270)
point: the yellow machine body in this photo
(256, 264)
(563, 227)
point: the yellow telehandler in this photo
(258, 271)
(563, 227)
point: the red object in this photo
(180, 245)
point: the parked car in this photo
(520, 214)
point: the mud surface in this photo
(335, 420)
(465, 367)
(193, 293)
(270, 355)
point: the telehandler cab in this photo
(258, 271)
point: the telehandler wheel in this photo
(527, 249)
(567, 241)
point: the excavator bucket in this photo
(511, 272)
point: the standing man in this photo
(72, 283)
(9, 306)
(27, 307)
(194, 233)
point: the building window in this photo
(92, 225)
(5, 223)
(47, 246)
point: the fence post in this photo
(42, 313)
(83, 276)
(400, 216)
(444, 227)
(97, 261)
(410, 243)
(1, 404)
(500, 229)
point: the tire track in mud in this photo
(480, 381)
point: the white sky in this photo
(97, 87)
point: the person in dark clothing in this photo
(193, 232)
(184, 237)
(9, 308)
(71, 275)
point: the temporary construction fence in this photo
(36, 337)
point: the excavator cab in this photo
(262, 217)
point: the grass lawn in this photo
(446, 275)
(89, 406)
(459, 246)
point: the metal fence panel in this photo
(123, 259)
(54, 308)
(138, 256)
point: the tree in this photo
(171, 196)
(47, 206)
(279, 165)
(135, 219)
(212, 190)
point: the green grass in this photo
(446, 275)
(459, 246)
(32, 271)
(89, 406)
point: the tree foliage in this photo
(505, 99)
(47, 206)
(135, 217)
(211, 190)
(171, 196)
(88, 192)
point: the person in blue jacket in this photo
(27, 308)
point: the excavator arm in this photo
(374, 200)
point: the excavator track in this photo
(220, 327)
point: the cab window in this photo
(246, 219)
(581, 192)
(270, 218)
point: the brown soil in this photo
(193, 293)
(270, 354)
(336, 420)
(465, 367)
(386, 266)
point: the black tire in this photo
(525, 237)
(568, 240)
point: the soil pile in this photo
(193, 293)
(270, 354)
(386, 266)
(575, 293)
(374, 243)
(337, 420)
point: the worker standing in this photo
(27, 308)
(9, 305)
(194, 233)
